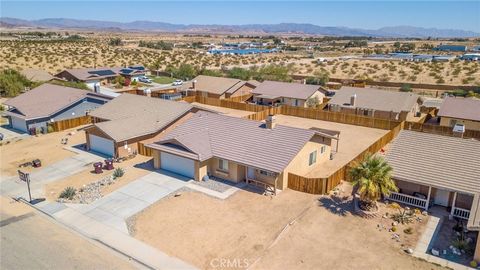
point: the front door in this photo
(441, 197)
(250, 173)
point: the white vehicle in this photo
(177, 82)
(145, 79)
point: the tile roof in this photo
(48, 99)
(440, 161)
(462, 108)
(131, 116)
(215, 85)
(240, 140)
(368, 98)
(288, 90)
(86, 74)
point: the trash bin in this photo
(98, 167)
(108, 164)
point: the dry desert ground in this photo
(290, 231)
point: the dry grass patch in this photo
(46, 147)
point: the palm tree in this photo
(372, 179)
(156, 65)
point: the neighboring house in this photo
(128, 119)
(293, 94)
(240, 150)
(49, 103)
(431, 169)
(36, 75)
(375, 103)
(218, 87)
(464, 111)
(97, 76)
(451, 48)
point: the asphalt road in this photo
(30, 240)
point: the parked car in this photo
(144, 79)
(177, 82)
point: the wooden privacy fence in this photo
(351, 119)
(70, 123)
(144, 151)
(240, 98)
(441, 130)
(259, 116)
(324, 185)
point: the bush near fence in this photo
(70, 123)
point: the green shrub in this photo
(408, 230)
(68, 193)
(406, 88)
(118, 172)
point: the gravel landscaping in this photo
(215, 184)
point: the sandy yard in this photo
(46, 147)
(353, 140)
(132, 172)
(226, 111)
(251, 229)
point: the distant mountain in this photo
(281, 28)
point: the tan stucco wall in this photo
(447, 122)
(299, 165)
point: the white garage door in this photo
(19, 124)
(101, 145)
(176, 164)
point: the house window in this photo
(313, 158)
(223, 165)
(322, 150)
(266, 173)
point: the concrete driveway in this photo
(113, 209)
(9, 133)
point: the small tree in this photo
(372, 180)
(313, 102)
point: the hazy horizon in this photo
(352, 14)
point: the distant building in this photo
(471, 56)
(96, 76)
(464, 111)
(451, 48)
(475, 48)
(375, 103)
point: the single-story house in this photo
(293, 94)
(129, 119)
(97, 76)
(431, 169)
(375, 103)
(218, 87)
(464, 111)
(47, 103)
(240, 150)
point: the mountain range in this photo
(281, 28)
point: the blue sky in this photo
(357, 14)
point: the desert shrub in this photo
(408, 230)
(68, 193)
(406, 88)
(118, 172)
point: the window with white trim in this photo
(223, 165)
(312, 158)
(322, 149)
